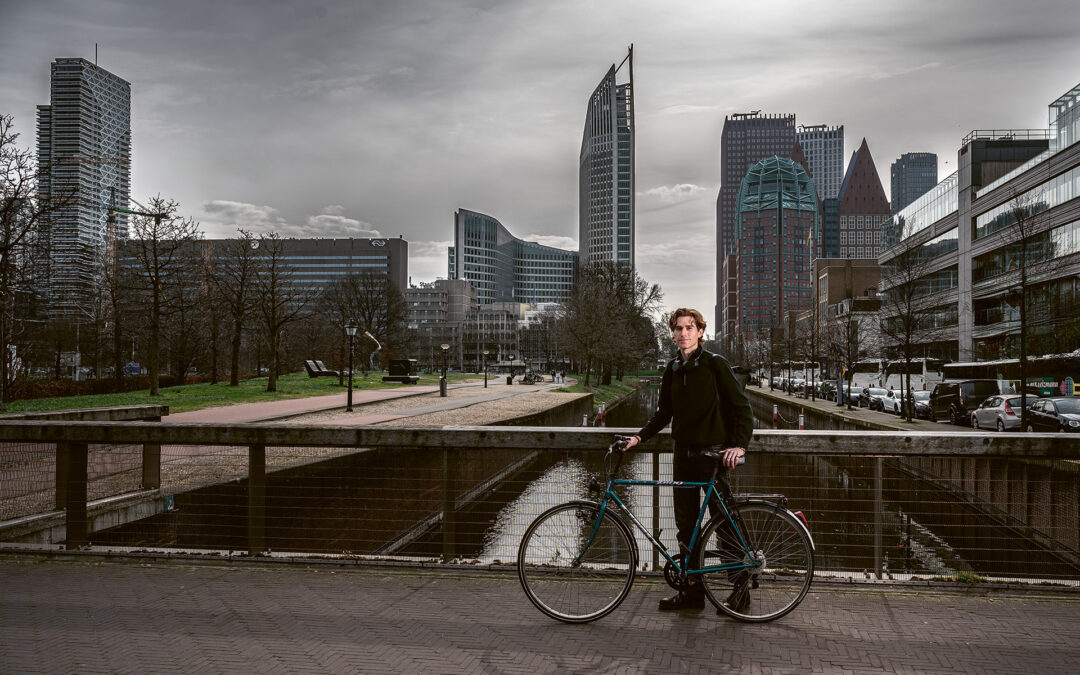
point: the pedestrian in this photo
(707, 409)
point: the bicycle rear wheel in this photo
(784, 553)
(573, 570)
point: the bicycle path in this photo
(87, 614)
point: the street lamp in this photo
(350, 330)
(485, 368)
(442, 381)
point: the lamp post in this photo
(510, 380)
(350, 330)
(442, 381)
(485, 368)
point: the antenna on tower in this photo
(95, 53)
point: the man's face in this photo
(686, 333)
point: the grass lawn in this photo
(199, 396)
(602, 393)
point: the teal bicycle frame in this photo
(609, 496)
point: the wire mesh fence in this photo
(870, 516)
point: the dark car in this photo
(922, 405)
(873, 398)
(1054, 414)
(955, 401)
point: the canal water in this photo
(866, 515)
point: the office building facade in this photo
(775, 227)
(823, 147)
(966, 239)
(84, 155)
(913, 175)
(606, 171)
(747, 138)
(503, 268)
(315, 264)
(862, 208)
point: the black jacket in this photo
(704, 403)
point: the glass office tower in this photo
(606, 172)
(84, 154)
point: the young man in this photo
(706, 407)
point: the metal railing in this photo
(881, 504)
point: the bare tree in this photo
(847, 338)
(1024, 237)
(25, 220)
(156, 244)
(912, 318)
(606, 322)
(232, 272)
(280, 302)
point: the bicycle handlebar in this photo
(618, 448)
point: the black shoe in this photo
(739, 600)
(692, 599)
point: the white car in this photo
(894, 402)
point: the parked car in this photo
(855, 392)
(894, 401)
(999, 412)
(1054, 414)
(873, 398)
(922, 405)
(955, 401)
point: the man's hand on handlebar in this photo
(733, 457)
(624, 443)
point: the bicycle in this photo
(577, 560)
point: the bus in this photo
(1055, 375)
(925, 373)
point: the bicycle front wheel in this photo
(771, 582)
(574, 565)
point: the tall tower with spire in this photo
(606, 171)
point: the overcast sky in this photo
(335, 118)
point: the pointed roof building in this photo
(863, 207)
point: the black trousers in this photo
(688, 465)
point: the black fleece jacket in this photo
(704, 403)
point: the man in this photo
(707, 408)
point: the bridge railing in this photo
(882, 504)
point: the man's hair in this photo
(699, 320)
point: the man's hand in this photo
(732, 456)
(631, 442)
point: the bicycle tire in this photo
(780, 542)
(561, 585)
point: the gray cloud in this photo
(261, 114)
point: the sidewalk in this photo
(884, 420)
(88, 614)
(276, 410)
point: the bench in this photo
(319, 369)
(401, 371)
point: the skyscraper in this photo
(775, 225)
(824, 149)
(84, 154)
(913, 175)
(747, 138)
(606, 172)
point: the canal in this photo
(866, 514)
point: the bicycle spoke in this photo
(777, 574)
(573, 570)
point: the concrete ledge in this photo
(852, 443)
(115, 414)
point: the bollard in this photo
(801, 426)
(584, 420)
(775, 415)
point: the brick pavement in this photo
(93, 615)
